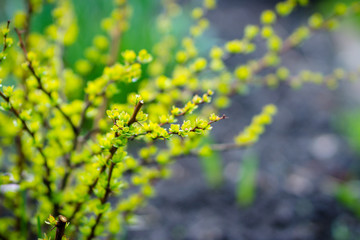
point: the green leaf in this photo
(211, 165)
(38, 227)
(246, 186)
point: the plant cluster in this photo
(65, 151)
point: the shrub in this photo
(65, 140)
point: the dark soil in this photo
(301, 155)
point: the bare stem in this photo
(136, 111)
(60, 227)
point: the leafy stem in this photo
(41, 87)
(46, 178)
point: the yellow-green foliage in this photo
(72, 151)
(252, 132)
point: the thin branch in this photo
(77, 140)
(103, 201)
(97, 221)
(5, 37)
(112, 165)
(88, 135)
(226, 146)
(107, 189)
(92, 186)
(41, 87)
(64, 181)
(183, 113)
(88, 104)
(132, 137)
(40, 150)
(136, 111)
(21, 160)
(57, 106)
(103, 168)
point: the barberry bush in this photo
(66, 157)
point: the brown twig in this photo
(5, 35)
(182, 113)
(21, 156)
(136, 111)
(97, 221)
(60, 227)
(65, 180)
